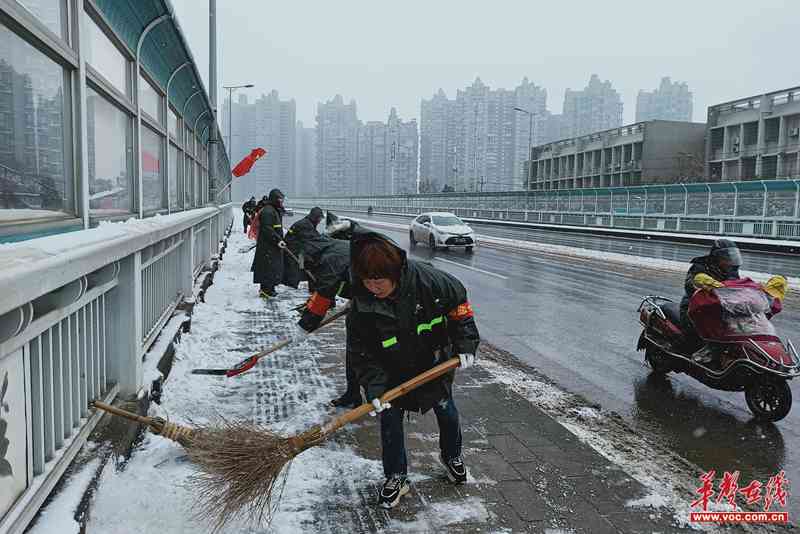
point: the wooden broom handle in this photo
(121, 413)
(392, 394)
(284, 342)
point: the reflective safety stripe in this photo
(341, 287)
(277, 226)
(429, 326)
(389, 342)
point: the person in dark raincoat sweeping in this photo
(327, 257)
(248, 210)
(407, 317)
(268, 261)
(304, 228)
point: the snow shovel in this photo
(248, 363)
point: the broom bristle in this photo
(240, 468)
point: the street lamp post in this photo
(231, 89)
(530, 156)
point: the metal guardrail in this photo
(78, 312)
(759, 209)
(779, 229)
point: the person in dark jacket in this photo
(327, 258)
(268, 261)
(305, 228)
(248, 209)
(407, 317)
(721, 263)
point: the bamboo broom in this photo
(240, 464)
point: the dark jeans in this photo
(393, 437)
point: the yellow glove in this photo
(776, 287)
(705, 282)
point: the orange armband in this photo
(318, 305)
(463, 311)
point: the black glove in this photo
(309, 321)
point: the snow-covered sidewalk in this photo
(528, 471)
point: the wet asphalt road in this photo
(785, 264)
(575, 320)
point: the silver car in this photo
(441, 230)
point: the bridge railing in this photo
(759, 208)
(78, 312)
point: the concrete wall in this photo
(665, 143)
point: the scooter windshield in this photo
(744, 311)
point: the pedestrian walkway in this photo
(528, 472)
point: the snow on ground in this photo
(152, 493)
(575, 252)
(59, 516)
(438, 515)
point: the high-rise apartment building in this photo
(337, 147)
(438, 133)
(305, 168)
(670, 102)
(387, 157)
(597, 107)
(479, 141)
(269, 123)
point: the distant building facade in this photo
(597, 107)
(478, 140)
(754, 138)
(269, 123)
(305, 167)
(653, 152)
(670, 102)
(337, 147)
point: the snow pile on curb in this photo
(671, 479)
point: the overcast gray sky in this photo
(385, 54)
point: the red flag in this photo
(244, 166)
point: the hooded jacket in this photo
(708, 264)
(427, 320)
(326, 258)
(268, 260)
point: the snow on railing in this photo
(78, 311)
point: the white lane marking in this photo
(488, 273)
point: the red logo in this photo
(775, 492)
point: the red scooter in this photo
(747, 354)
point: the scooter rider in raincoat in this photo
(720, 264)
(407, 317)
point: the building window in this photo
(34, 169)
(152, 178)
(105, 57)
(109, 146)
(198, 185)
(149, 100)
(49, 12)
(188, 194)
(189, 142)
(174, 176)
(173, 124)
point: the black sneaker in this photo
(346, 401)
(395, 487)
(456, 470)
